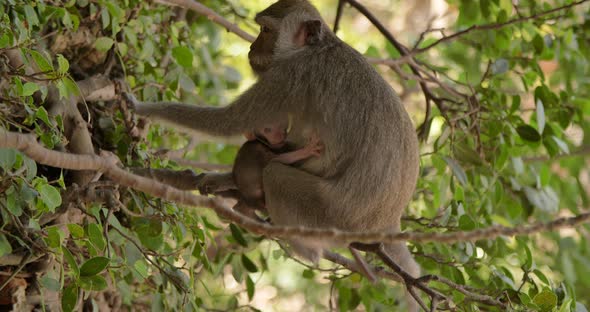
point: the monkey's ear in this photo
(313, 30)
(310, 32)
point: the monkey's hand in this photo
(250, 135)
(211, 183)
(132, 102)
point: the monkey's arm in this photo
(255, 107)
(292, 157)
(313, 148)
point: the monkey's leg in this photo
(295, 197)
(397, 254)
(398, 257)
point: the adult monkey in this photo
(369, 166)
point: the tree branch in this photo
(107, 163)
(338, 14)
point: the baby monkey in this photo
(264, 145)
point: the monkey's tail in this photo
(400, 254)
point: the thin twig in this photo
(211, 15)
(339, 10)
(496, 25)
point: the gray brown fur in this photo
(250, 161)
(368, 169)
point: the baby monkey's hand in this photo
(314, 147)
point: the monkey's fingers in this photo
(250, 135)
(130, 99)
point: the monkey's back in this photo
(370, 161)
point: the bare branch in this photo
(338, 14)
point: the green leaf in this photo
(515, 103)
(141, 268)
(561, 144)
(5, 41)
(94, 266)
(95, 236)
(43, 115)
(540, 116)
(545, 199)
(248, 264)
(545, 300)
(43, 64)
(71, 261)
(5, 248)
(250, 288)
(528, 133)
(541, 276)
(54, 236)
(71, 87)
(7, 158)
(29, 88)
(93, 283)
(538, 44)
(308, 274)
(210, 225)
(103, 44)
(12, 204)
(63, 63)
(529, 257)
(50, 283)
(105, 18)
(75, 230)
(31, 166)
(149, 231)
(69, 298)
(31, 15)
(50, 196)
(237, 235)
(183, 56)
(466, 223)
(457, 170)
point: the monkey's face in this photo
(274, 134)
(262, 49)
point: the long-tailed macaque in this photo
(367, 171)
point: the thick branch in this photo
(183, 180)
(108, 164)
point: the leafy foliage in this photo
(506, 144)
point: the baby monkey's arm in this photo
(312, 148)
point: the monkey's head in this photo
(275, 134)
(286, 27)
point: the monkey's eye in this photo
(267, 130)
(264, 29)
